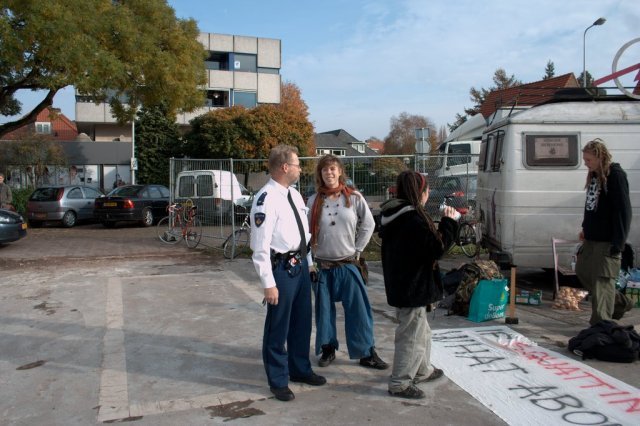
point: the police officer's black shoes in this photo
(328, 355)
(313, 380)
(283, 394)
(374, 361)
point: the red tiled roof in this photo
(526, 94)
(62, 129)
(376, 145)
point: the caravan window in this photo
(483, 155)
(457, 154)
(544, 150)
(205, 186)
(185, 188)
(491, 152)
(497, 154)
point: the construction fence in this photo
(223, 189)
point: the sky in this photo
(359, 63)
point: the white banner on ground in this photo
(525, 384)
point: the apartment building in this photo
(241, 70)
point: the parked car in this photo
(461, 189)
(12, 226)
(138, 203)
(66, 204)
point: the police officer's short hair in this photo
(281, 154)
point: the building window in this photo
(268, 71)
(217, 98)
(43, 128)
(337, 152)
(217, 61)
(246, 99)
(244, 62)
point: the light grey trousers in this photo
(412, 356)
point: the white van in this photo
(215, 192)
(457, 158)
(531, 177)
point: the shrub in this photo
(20, 197)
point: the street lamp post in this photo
(422, 142)
(599, 21)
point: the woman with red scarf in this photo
(341, 225)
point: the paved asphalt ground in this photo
(107, 326)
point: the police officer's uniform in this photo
(275, 241)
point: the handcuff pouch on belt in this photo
(290, 259)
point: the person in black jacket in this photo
(411, 245)
(605, 227)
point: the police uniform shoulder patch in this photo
(261, 199)
(258, 219)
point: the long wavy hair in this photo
(410, 186)
(598, 149)
(325, 161)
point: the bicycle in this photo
(238, 241)
(467, 238)
(181, 223)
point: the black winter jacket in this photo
(607, 341)
(611, 219)
(410, 251)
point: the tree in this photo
(402, 139)
(157, 140)
(32, 154)
(500, 81)
(136, 52)
(477, 96)
(238, 132)
(460, 120)
(442, 135)
(589, 79)
(549, 71)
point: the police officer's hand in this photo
(271, 295)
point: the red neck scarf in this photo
(316, 210)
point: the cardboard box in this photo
(527, 297)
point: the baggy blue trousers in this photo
(343, 284)
(288, 322)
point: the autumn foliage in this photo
(242, 133)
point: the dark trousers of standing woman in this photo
(288, 322)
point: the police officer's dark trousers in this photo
(288, 322)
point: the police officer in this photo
(279, 237)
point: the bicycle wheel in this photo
(242, 243)
(168, 231)
(467, 240)
(193, 233)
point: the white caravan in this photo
(531, 176)
(215, 192)
(457, 158)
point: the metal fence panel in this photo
(222, 189)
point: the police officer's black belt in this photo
(287, 255)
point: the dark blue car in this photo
(12, 226)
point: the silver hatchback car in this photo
(66, 204)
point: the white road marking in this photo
(114, 396)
